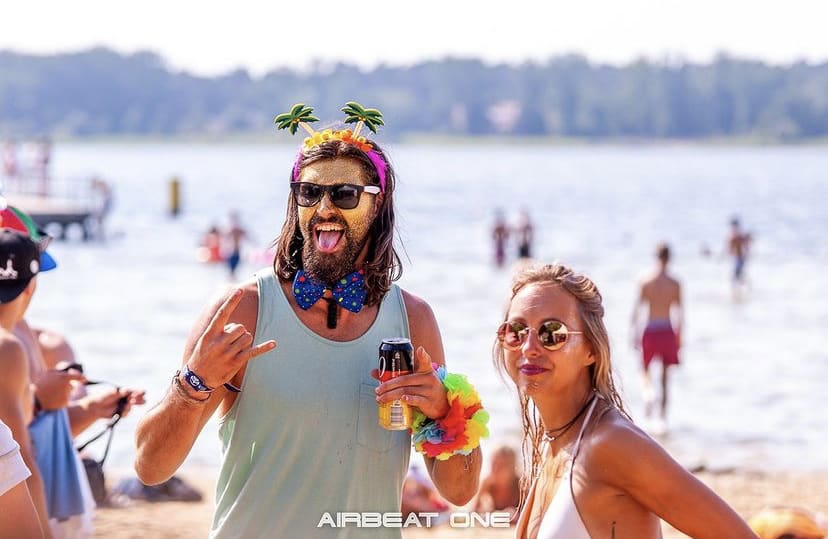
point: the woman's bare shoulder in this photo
(613, 443)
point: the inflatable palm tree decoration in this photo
(299, 115)
(357, 114)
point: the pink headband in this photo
(379, 164)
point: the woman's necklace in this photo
(550, 435)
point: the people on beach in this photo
(525, 232)
(102, 201)
(69, 499)
(18, 516)
(500, 235)
(500, 490)
(43, 157)
(10, 165)
(19, 266)
(659, 293)
(738, 246)
(592, 472)
(53, 356)
(59, 414)
(419, 494)
(300, 433)
(235, 234)
(210, 249)
(57, 357)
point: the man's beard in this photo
(329, 267)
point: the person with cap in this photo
(57, 420)
(18, 516)
(19, 266)
(300, 434)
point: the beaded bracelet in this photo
(460, 431)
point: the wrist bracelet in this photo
(198, 384)
(176, 382)
(460, 431)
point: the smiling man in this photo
(299, 428)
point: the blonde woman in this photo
(592, 473)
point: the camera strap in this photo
(110, 428)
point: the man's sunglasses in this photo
(344, 196)
(553, 334)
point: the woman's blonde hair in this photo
(591, 312)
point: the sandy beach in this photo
(747, 492)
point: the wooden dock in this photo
(54, 212)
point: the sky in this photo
(210, 37)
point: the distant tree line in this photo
(101, 92)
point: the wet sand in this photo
(747, 492)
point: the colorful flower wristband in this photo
(459, 432)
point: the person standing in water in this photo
(660, 293)
(738, 246)
(500, 234)
(235, 235)
(525, 232)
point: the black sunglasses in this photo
(344, 196)
(553, 334)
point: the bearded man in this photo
(300, 437)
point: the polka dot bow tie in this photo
(348, 292)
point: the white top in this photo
(12, 468)
(562, 519)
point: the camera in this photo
(122, 402)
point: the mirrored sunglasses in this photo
(553, 334)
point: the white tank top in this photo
(562, 519)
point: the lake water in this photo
(750, 390)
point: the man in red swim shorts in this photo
(661, 338)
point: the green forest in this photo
(102, 92)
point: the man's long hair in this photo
(382, 264)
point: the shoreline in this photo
(436, 139)
(748, 492)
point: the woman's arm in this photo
(18, 516)
(626, 458)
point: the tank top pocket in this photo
(369, 434)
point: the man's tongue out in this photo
(328, 239)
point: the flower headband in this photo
(300, 115)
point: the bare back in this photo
(738, 244)
(660, 292)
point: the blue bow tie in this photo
(349, 291)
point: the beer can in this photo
(396, 358)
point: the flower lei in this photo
(460, 431)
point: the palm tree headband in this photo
(302, 116)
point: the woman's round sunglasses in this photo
(344, 196)
(553, 334)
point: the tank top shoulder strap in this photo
(584, 425)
